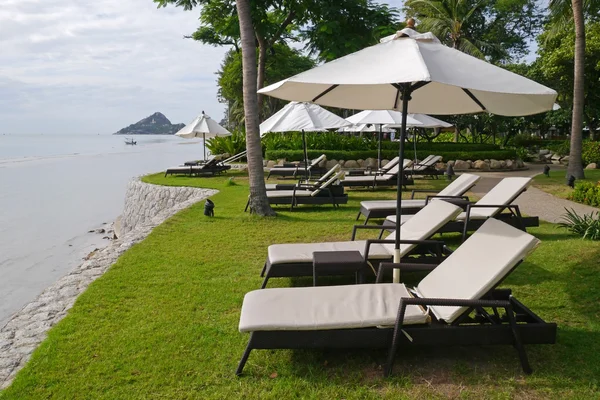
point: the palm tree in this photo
(561, 14)
(449, 21)
(258, 193)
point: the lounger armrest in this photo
(466, 198)
(355, 228)
(502, 206)
(437, 243)
(454, 302)
(306, 186)
(403, 267)
(412, 194)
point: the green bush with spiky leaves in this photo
(587, 226)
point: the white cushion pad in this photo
(424, 224)
(326, 307)
(391, 204)
(476, 266)
(460, 185)
(288, 193)
(303, 252)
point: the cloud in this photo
(94, 66)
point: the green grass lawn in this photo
(556, 183)
(162, 322)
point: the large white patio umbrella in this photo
(205, 127)
(380, 118)
(302, 117)
(415, 73)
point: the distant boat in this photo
(130, 141)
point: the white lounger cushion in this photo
(457, 188)
(333, 170)
(470, 272)
(387, 204)
(424, 224)
(326, 307)
(504, 192)
(286, 169)
(391, 174)
(288, 193)
(303, 252)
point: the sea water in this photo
(54, 189)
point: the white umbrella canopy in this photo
(381, 117)
(303, 117)
(297, 116)
(203, 126)
(445, 81)
(365, 128)
(415, 73)
(426, 121)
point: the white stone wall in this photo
(146, 206)
(143, 202)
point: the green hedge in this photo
(586, 193)
(297, 155)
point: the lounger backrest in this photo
(503, 193)
(392, 172)
(328, 183)
(460, 185)
(427, 163)
(477, 266)
(424, 224)
(332, 171)
(426, 159)
(316, 161)
(392, 163)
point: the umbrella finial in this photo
(410, 23)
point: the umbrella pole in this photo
(204, 144)
(305, 155)
(379, 149)
(406, 90)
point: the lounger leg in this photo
(358, 216)
(266, 280)
(247, 205)
(245, 356)
(387, 371)
(263, 270)
(518, 344)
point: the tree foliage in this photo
(497, 30)
(283, 63)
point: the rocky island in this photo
(156, 124)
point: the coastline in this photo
(148, 206)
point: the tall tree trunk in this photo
(575, 162)
(259, 202)
(260, 79)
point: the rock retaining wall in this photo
(146, 206)
(143, 202)
(458, 165)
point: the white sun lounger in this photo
(305, 186)
(498, 199)
(392, 315)
(387, 179)
(296, 259)
(383, 208)
(294, 171)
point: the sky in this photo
(96, 66)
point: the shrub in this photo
(523, 154)
(297, 155)
(586, 193)
(338, 141)
(590, 152)
(587, 226)
(234, 144)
